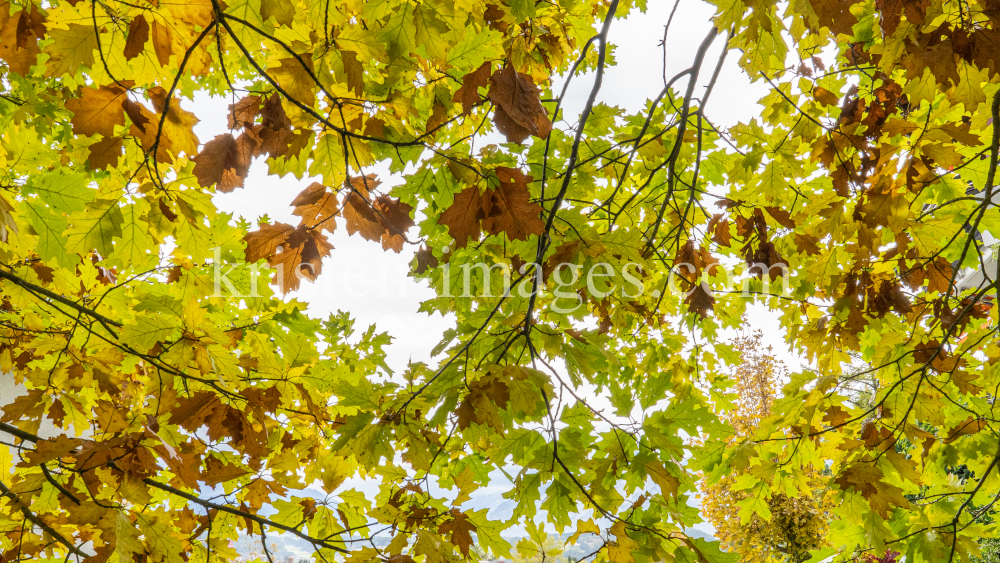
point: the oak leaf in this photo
(510, 209)
(296, 252)
(381, 219)
(519, 111)
(317, 205)
(461, 530)
(244, 112)
(225, 161)
(468, 93)
(464, 215)
(265, 241)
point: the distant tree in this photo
(990, 551)
(777, 527)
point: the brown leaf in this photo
(463, 216)
(468, 93)
(700, 301)
(244, 112)
(43, 272)
(510, 209)
(52, 449)
(425, 260)
(969, 427)
(395, 217)
(517, 102)
(300, 256)
(835, 15)
(162, 42)
(105, 153)
(867, 479)
(461, 529)
(138, 34)
(836, 416)
(137, 113)
(316, 204)
(218, 471)
(225, 161)
(357, 209)
(806, 244)
(767, 255)
(781, 216)
(19, 35)
(891, 11)
(274, 134)
(265, 241)
(719, 228)
(564, 254)
(97, 111)
(512, 130)
(439, 116)
(354, 72)
(825, 97)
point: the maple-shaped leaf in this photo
(138, 35)
(71, 49)
(511, 210)
(317, 205)
(867, 479)
(224, 160)
(464, 215)
(519, 111)
(97, 111)
(468, 93)
(461, 530)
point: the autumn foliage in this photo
(749, 518)
(164, 415)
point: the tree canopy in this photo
(194, 411)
